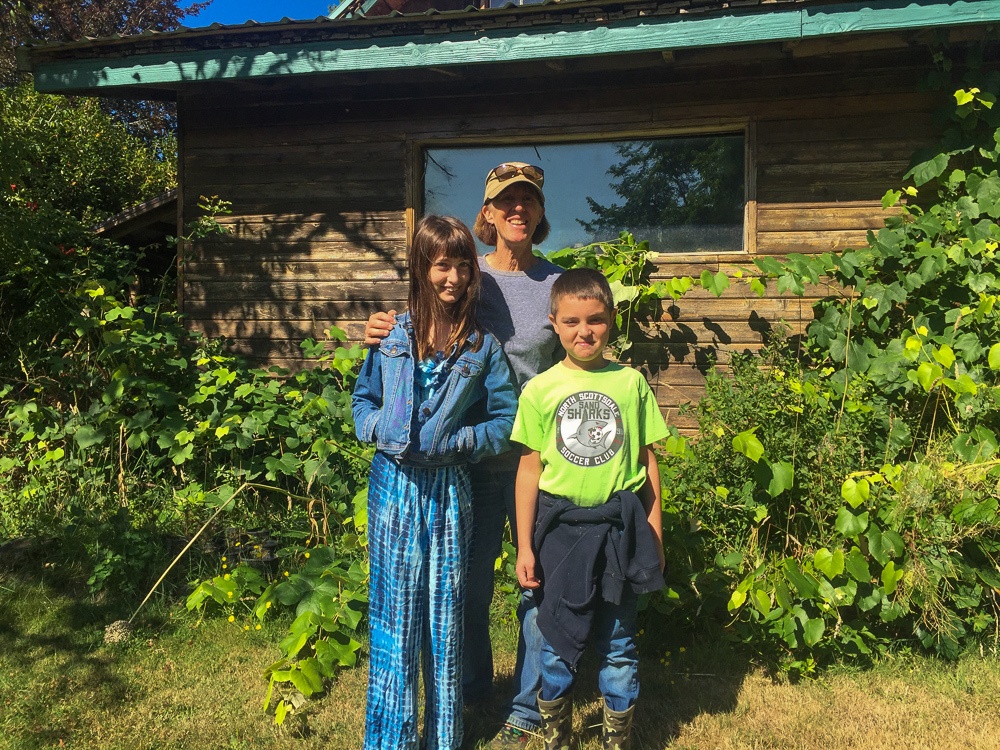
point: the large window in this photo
(683, 194)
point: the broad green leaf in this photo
(828, 593)
(989, 577)
(804, 584)
(622, 293)
(872, 600)
(883, 545)
(926, 171)
(830, 564)
(748, 444)
(180, 454)
(244, 390)
(847, 593)
(994, 357)
(268, 693)
(945, 356)
(857, 566)
(927, 375)
(311, 672)
(782, 596)
(678, 286)
(812, 631)
(732, 561)
(736, 600)
(280, 712)
(890, 577)
(288, 464)
(757, 287)
(789, 282)
(782, 478)
(87, 436)
(715, 283)
(293, 643)
(855, 492)
(849, 524)
(762, 601)
(301, 682)
(987, 194)
(978, 445)
(346, 654)
(891, 198)
(963, 97)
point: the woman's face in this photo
(515, 213)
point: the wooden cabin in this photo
(324, 135)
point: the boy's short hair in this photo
(582, 283)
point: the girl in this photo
(435, 395)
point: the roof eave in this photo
(104, 75)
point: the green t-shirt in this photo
(589, 428)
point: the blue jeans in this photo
(613, 633)
(492, 505)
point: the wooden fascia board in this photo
(680, 31)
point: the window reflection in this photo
(681, 194)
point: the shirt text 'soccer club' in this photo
(589, 428)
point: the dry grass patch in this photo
(175, 685)
(905, 704)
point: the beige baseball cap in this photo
(510, 173)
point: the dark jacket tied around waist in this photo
(586, 554)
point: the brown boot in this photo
(557, 722)
(616, 728)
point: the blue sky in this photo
(240, 11)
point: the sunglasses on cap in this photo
(506, 171)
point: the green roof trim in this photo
(674, 32)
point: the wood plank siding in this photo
(325, 178)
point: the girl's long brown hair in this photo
(436, 236)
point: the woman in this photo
(514, 307)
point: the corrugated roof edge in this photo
(566, 30)
(682, 6)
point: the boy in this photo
(586, 541)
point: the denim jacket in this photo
(469, 417)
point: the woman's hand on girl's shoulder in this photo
(378, 326)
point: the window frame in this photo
(415, 176)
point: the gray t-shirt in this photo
(514, 307)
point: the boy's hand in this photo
(378, 326)
(526, 570)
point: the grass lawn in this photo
(183, 684)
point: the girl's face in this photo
(450, 278)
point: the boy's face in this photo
(583, 327)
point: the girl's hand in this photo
(526, 570)
(378, 327)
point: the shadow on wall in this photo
(281, 278)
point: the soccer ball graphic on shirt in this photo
(589, 428)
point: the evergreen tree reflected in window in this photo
(680, 194)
